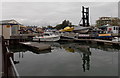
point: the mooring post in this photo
(39, 40)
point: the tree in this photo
(50, 27)
(63, 25)
(59, 26)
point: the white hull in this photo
(55, 38)
(84, 31)
(81, 31)
(116, 39)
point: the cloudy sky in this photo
(52, 13)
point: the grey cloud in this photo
(52, 13)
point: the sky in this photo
(59, 0)
(52, 13)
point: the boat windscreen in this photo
(46, 34)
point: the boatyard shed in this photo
(9, 28)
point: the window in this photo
(46, 34)
(114, 28)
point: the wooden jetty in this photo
(36, 45)
(22, 36)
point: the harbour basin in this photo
(67, 59)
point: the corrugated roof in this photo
(9, 22)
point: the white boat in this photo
(117, 39)
(81, 29)
(47, 36)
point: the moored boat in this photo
(47, 36)
(117, 39)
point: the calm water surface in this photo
(68, 59)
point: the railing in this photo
(14, 70)
(9, 69)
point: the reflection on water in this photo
(83, 50)
(86, 62)
(67, 59)
(20, 48)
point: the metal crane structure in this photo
(85, 17)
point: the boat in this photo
(117, 39)
(67, 29)
(81, 29)
(47, 36)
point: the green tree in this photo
(64, 24)
(50, 27)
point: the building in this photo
(113, 29)
(113, 21)
(9, 28)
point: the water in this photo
(68, 59)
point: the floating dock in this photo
(99, 41)
(36, 46)
(93, 40)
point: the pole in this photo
(2, 30)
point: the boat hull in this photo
(81, 31)
(47, 39)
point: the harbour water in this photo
(68, 59)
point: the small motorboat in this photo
(47, 36)
(116, 39)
